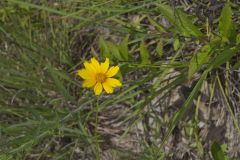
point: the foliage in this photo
(45, 112)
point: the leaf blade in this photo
(144, 54)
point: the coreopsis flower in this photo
(99, 76)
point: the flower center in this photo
(100, 77)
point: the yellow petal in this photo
(113, 82)
(89, 67)
(85, 74)
(107, 87)
(98, 89)
(95, 64)
(112, 71)
(104, 66)
(89, 83)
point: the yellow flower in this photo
(99, 76)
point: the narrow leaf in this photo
(186, 26)
(176, 44)
(123, 48)
(144, 53)
(58, 83)
(114, 51)
(223, 57)
(156, 25)
(167, 12)
(198, 60)
(181, 22)
(159, 48)
(104, 51)
(180, 113)
(238, 39)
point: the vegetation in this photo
(179, 69)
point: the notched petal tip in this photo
(106, 59)
(95, 64)
(104, 66)
(107, 88)
(94, 61)
(89, 66)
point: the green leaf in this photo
(104, 51)
(159, 48)
(156, 25)
(58, 83)
(176, 44)
(238, 39)
(114, 51)
(223, 57)
(198, 60)
(226, 26)
(123, 48)
(186, 26)
(167, 12)
(224, 147)
(187, 104)
(6, 157)
(48, 9)
(237, 65)
(182, 23)
(144, 53)
(217, 152)
(95, 54)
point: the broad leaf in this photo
(217, 152)
(226, 26)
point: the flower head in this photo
(99, 76)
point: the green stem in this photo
(96, 135)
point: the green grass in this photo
(160, 47)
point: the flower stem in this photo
(96, 126)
